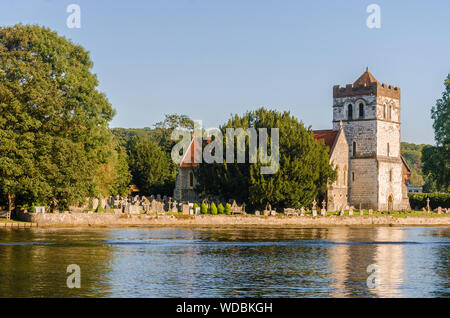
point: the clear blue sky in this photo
(210, 58)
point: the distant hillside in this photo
(413, 156)
(126, 133)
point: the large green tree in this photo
(151, 167)
(303, 173)
(436, 159)
(54, 132)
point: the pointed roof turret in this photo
(365, 79)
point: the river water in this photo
(227, 262)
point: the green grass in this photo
(10, 221)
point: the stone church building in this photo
(364, 148)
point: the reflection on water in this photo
(226, 262)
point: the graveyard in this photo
(157, 210)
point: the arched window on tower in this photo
(354, 149)
(388, 150)
(389, 112)
(390, 175)
(361, 110)
(350, 112)
(384, 112)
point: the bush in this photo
(213, 209)
(195, 208)
(227, 209)
(220, 209)
(419, 200)
(203, 209)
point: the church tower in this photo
(370, 115)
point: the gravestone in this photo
(323, 211)
(39, 209)
(134, 209)
(268, 209)
(95, 203)
(439, 210)
(160, 208)
(370, 212)
(174, 207)
(257, 213)
(314, 212)
(302, 211)
(107, 208)
(154, 206)
(289, 212)
(185, 208)
(236, 209)
(350, 211)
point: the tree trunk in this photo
(10, 199)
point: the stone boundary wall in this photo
(109, 219)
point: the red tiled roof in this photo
(328, 136)
(193, 152)
(365, 79)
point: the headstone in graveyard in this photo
(268, 209)
(302, 211)
(134, 209)
(350, 211)
(370, 212)
(39, 209)
(174, 207)
(185, 208)
(323, 211)
(95, 203)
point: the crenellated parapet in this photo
(372, 89)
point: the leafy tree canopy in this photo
(151, 167)
(304, 168)
(54, 132)
(436, 159)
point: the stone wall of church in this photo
(363, 183)
(390, 183)
(388, 133)
(340, 107)
(365, 136)
(183, 191)
(384, 102)
(337, 195)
